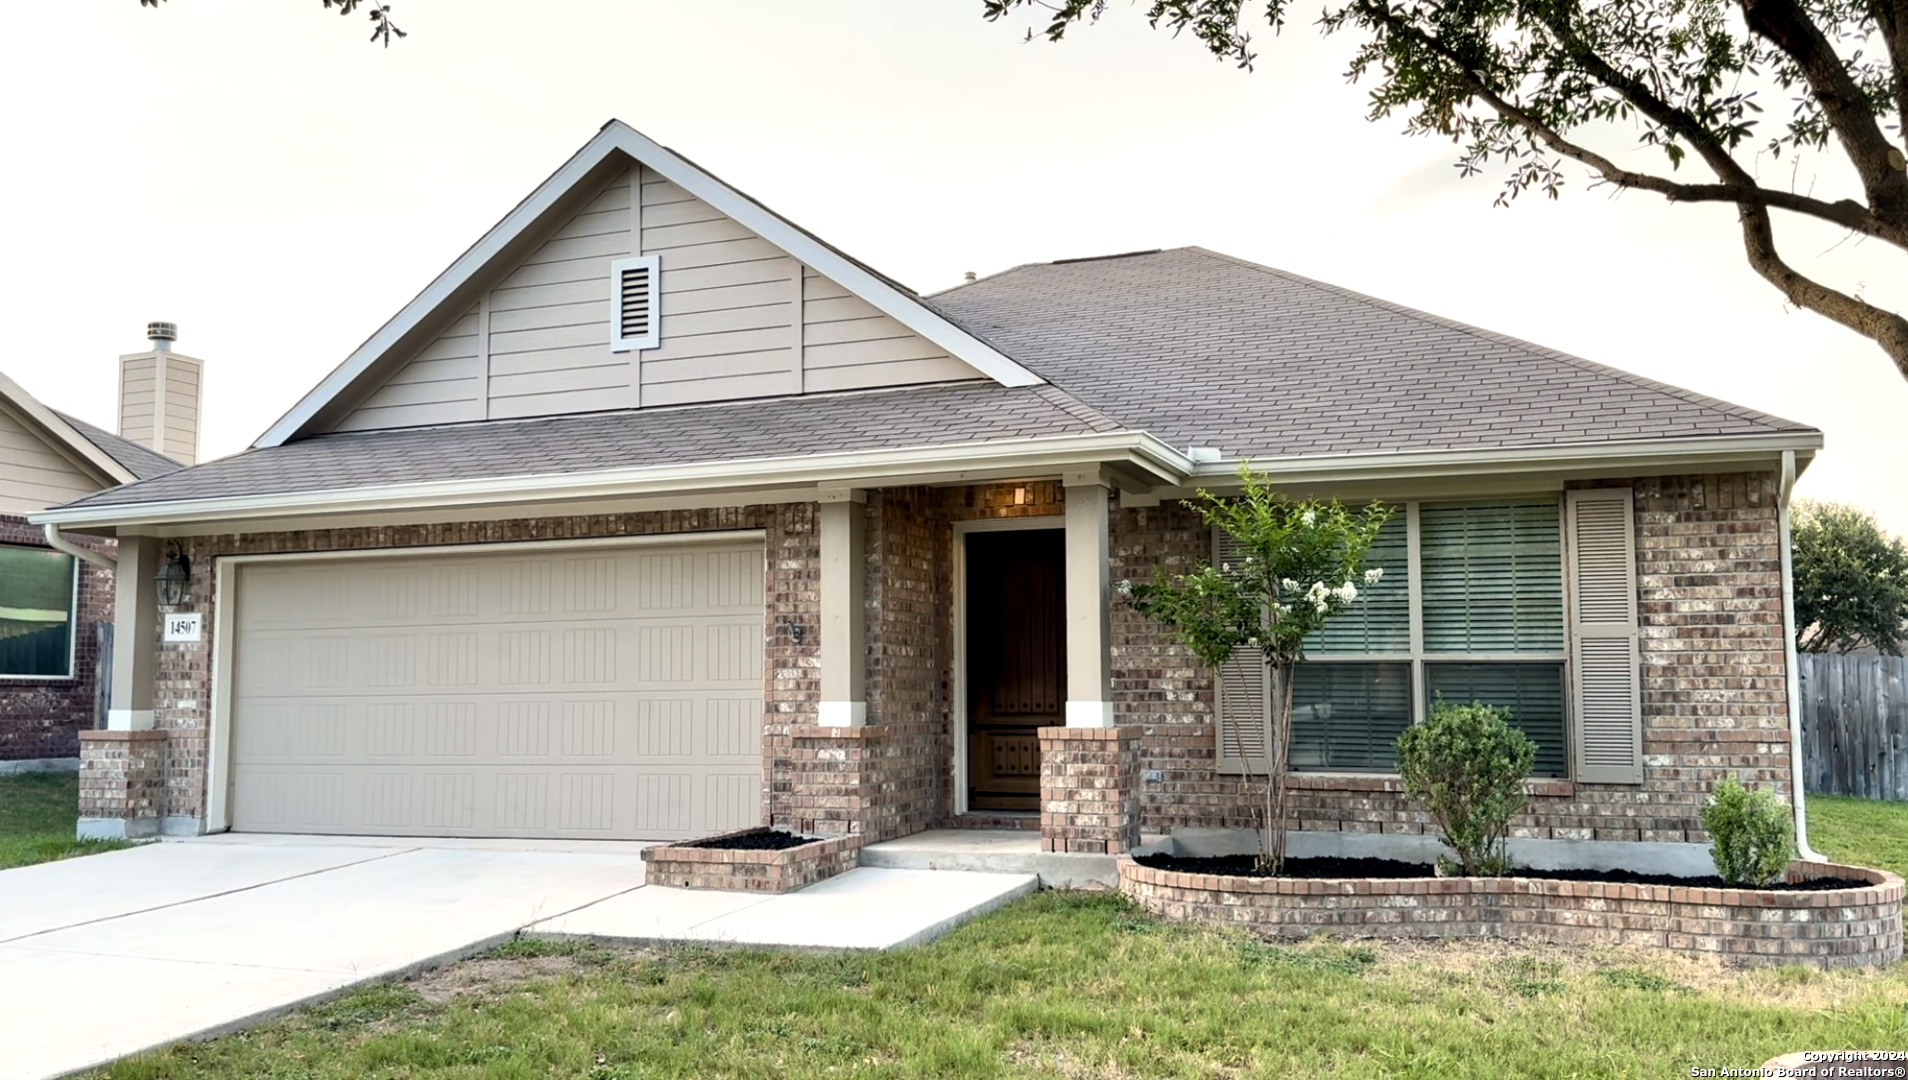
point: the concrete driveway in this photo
(109, 954)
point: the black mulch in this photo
(766, 840)
(1330, 867)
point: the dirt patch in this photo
(1344, 867)
(487, 973)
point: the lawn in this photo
(1081, 985)
(38, 813)
(1864, 832)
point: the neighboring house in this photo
(655, 515)
(55, 603)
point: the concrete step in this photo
(993, 851)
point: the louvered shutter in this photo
(1243, 695)
(1605, 655)
(635, 303)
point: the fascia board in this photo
(1500, 461)
(66, 434)
(1136, 449)
(618, 136)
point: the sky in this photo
(257, 172)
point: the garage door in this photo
(577, 693)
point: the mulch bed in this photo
(1333, 867)
(767, 840)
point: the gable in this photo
(738, 317)
(35, 473)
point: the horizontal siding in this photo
(442, 384)
(138, 386)
(728, 308)
(36, 475)
(849, 344)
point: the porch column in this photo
(1089, 602)
(135, 634)
(844, 633)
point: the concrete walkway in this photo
(110, 954)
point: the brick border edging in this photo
(1848, 927)
(744, 870)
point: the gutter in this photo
(1144, 455)
(62, 544)
(1793, 682)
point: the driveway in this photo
(109, 954)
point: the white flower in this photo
(1309, 518)
(1125, 587)
(1323, 605)
(1374, 575)
(1317, 593)
(1348, 592)
(1225, 568)
(1288, 584)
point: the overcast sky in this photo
(257, 172)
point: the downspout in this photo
(1792, 680)
(61, 543)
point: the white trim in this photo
(615, 137)
(69, 437)
(1138, 451)
(958, 579)
(62, 544)
(1798, 797)
(129, 719)
(1089, 714)
(652, 330)
(843, 714)
(219, 772)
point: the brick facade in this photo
(1853, 927)
(122, 782)
(1714, 695)
(1089, 789)
(687, 866)
(43, 718)
(1714, 689)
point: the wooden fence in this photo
(1855, 725)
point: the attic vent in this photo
(635, 303)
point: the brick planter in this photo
(1843, 928)
(743, 870)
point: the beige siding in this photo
(138, 397)
(33, 474)
(729, 320)
(183, 377)
(738, 318)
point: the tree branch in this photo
(1789, 28)
(1885, 328)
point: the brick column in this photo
(122, 784)
(1089, 789)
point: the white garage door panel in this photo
(590, 694)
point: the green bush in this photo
(1751, 833)
(1467, 765)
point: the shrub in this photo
(1467, 765)
(1752, 836)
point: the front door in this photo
(1016, 662)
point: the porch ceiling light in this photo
(174, 578)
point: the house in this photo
(56, 601)
(655, 515)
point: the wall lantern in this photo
(175, 577)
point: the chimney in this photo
(159, 392)
(971, 277)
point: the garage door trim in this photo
(218, 806)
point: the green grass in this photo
(38, 814)
(1865, 832)
(1064, 985)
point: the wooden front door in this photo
(1016, 661)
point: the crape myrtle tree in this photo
(1851, 581)
(1535, 84)
(382, 28)
(1296, 565)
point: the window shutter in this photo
(1606, 662)
(635, 303)
(1242, 701)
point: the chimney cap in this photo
(972, 277)
(162, 334)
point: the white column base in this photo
(1089, 714)
(129, 719)
(843, 714)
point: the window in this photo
(635, 303)
(37, 594)
(1471, 607)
